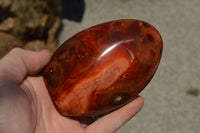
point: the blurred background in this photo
(172, 101)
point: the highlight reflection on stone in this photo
(103, 67)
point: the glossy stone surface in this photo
(103, 67)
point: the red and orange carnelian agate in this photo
(103, 67)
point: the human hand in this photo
(26, 106)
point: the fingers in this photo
(18, 63)
(113, 121)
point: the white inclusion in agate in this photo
(99, 82)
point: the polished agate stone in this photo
(103, 67)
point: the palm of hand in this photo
(48, 118)
(27, 106)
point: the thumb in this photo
(19, 63)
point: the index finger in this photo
(113, 121)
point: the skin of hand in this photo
(26, 106)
